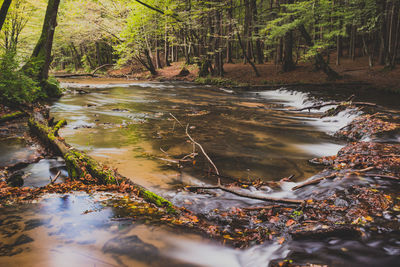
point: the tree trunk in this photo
(288, 64)
(279, 49)
(39, 63)
(367, 52)
(396, 41)
(246, 31)
(259, 52)
(158, 61)
(319, 60)
(218, 63)
(338, 49)
(245, 55)
(166, 48)
(4, 11)
(98, 54)
(151, 68)
(229, 41)
(383, 36)
(42, 52)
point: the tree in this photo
(39, 62)
(3, 11)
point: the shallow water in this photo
(248, 135)
(251, 135)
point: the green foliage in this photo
(215, 81)
(15, 86)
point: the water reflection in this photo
(247, 134)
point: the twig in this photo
(202, 149)
(246, 195)
(176, 120)
(315, 181)
(52, 181)
(334, 175)
(262, 207)
(199, 145)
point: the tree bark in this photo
(4, 11)
(288, 64)
(158, 61)
(383, 33)
(259, 52)
(229, 41)
(41, 56)
(166, 48)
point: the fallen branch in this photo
(335, 103)
(80, 166)
(332, 176)
(262, 207)
(382, 176)
(246, 195)
(199, 145)
(315, 181)
(52, 181)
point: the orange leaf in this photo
(290, 222)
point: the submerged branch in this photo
(246, 195)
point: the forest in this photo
(199, 133)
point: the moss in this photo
(58, 126)
(157, 200)
(80, 165)
(11, 116)
(52, 89)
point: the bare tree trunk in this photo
(166, 48)
(338, 49)
(158, 61)
(229, 42)
(259, 52)
(3, 11)
(367, 52)
(279, 49)
(396, 41)
(246, 32)
(288, 64)
(383, 36)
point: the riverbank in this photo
(270, 74)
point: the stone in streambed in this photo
(15, 179)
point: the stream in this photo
(247, 134)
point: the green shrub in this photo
(215, 81)
(15, 86)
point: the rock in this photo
(33, 223)
(16, 180)
(132, 246)
(341, 202)
(23, 239)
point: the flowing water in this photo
(250, 135)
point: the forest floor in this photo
(271, 74)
